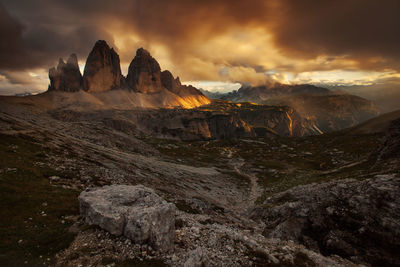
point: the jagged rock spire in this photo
(67, 76)
(144, 74)
(102, 70)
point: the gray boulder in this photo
(136, 212)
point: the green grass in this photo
(26, 235)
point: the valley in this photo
(216, 184)
(294, 179)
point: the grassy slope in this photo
(31, 209)
(281, 163)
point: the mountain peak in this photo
(102, 70)
(143, 52)
(67, 77)
(73, 60)
(144, 73)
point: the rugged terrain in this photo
(326, 110)
(222, 189)
(193, 182)
(102, 85)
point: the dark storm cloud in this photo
(38, 41)
(38, 32)
(11, 41)
(361, 29)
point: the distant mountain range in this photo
(152, 102)
(327, 110)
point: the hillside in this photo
(328, 111)
(223, 189)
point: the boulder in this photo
(67, 76)
(136, 212)
(102, 70)
(357, 220)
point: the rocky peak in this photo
(102, 70)
(73, 60)
(67, 76)
(169, 82)
(144, 73)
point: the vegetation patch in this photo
(34, 227)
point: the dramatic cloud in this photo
(367, 31)
(231, 41)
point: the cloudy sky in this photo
(215, 44)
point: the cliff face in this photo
(67, 76)
(326, 110)
(102, 70)
(223, 120)
(144, 73)
(145, 85)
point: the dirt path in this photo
(255, 191)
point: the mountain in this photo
(259, 94)
(378, 124)
(67, 76)
(103, 86)
(323, 108)
(102, 70)
(251, 201)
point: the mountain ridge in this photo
(328, 110)
(102, 73)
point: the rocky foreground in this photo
(327, 200)
(358, 220)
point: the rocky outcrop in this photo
(67, 76)
(224, 120)
(327, 110)
(354, 219)
(258, 94)
(169, 82)
(174, 85)
(390, 148)
(145, 85)
(136, 212)
(144, 73)
(145, 76)
(102, 70)
(389, 151)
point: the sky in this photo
(213, 44)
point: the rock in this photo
(197, 258)
(325, 109)
(169, 82)
(136, 212)
(67, 76)
(389, 150)
(175, 86)
(102, 70)
(144, 73)
(357, 220)
(145, 76)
